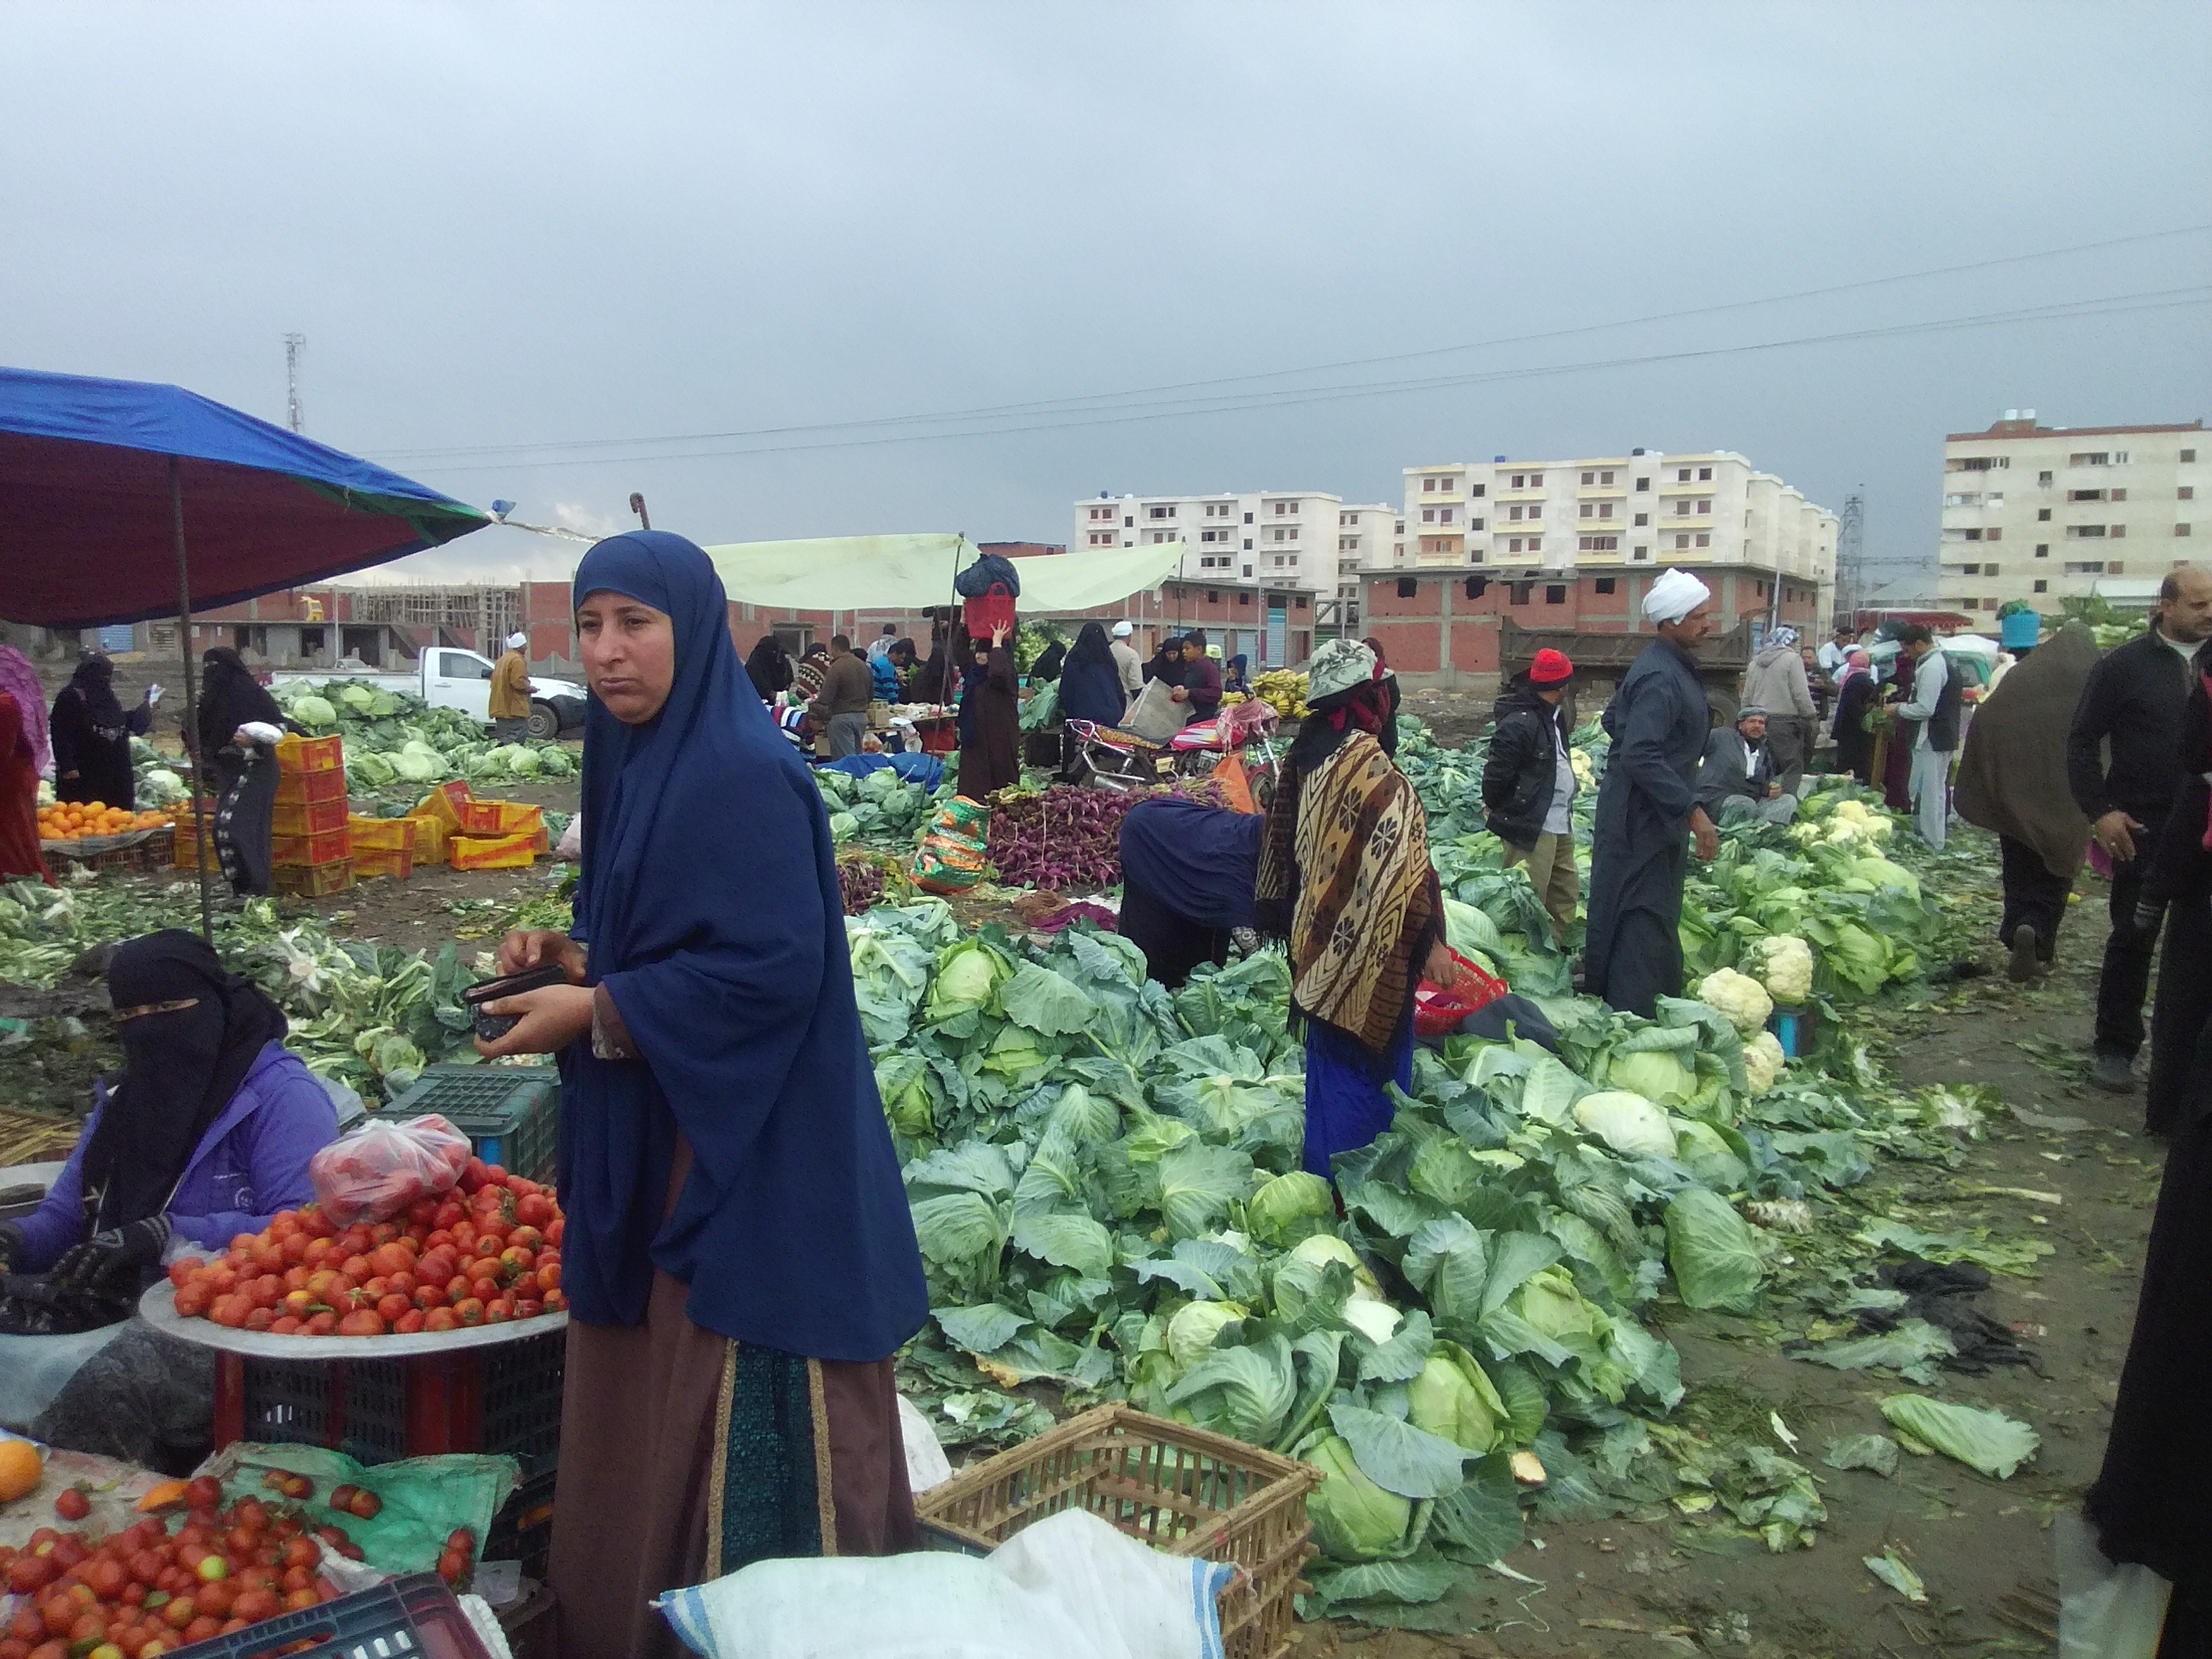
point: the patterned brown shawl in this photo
(1347, 853)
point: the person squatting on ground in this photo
(1737, 782)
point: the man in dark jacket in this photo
(1200, 694)
(1737, 782)
(1528, 785)
(1647, 813)
(2133, 703)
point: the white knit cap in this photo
(1122, 630)
(1337, 666)
(1674, 596)
(516, 641)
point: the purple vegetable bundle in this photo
(1069, 838)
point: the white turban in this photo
(516, 641)
(1674, 596)
(1122, 630)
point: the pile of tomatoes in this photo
(145, 1591)
(483, 1252)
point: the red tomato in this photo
(393, 1307)
(182, 1268)
(260, 1319)
(361, 1321)
(528, 1308)
(470, 1310)
(498, 1311)
(323, 1324)
(286, 1325)
(408, 1322)
(556, 1302)
(441, 1319)
(192, 1302)
(401, 1283)
(554, 1230)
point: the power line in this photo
(1060, 404)
(2115, 305)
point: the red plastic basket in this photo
(987, 611)
(1436, 1011)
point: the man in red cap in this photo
(1529, 785)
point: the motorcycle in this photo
(1111, 757)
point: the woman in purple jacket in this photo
(205, 1136)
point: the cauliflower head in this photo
(1763, 1062)
(1741, 997)
(1783, 964)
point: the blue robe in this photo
(724, 956)
(1639, 845)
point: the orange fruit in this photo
(21, 1468)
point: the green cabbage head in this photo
(314, 711)
(1353, 1519)
(1192, 1331)
(1657, 1074)
(1455, 1398)
(1290, 1208)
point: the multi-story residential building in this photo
(1573, 545)
(1538, 519)
(1365, 537)
(1284, 538)
(2048, 514)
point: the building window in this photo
(2089, 457)
(2187, 454)
(1244, 598)
(2043, 588)
(2181, 530)
(1401, 529)
(1974, 535)
(2085, 567)
(1247, 518)
(1641, 553)
(1213, 596)
(1428, 515)
(1477, 524)
(2043, 550)
(1644, 484)
(1703, 473)
(1555, 593)
(1606, 584)
(1990, 570)
(1520, 481)
(1159, 512)
(1969, 570)
(2085, 494)
(1477, 587)
(1704, 541)
(1521, 591)
(1681, 475)
(1300, 602)
(1994, 536)
(1408, 587)
(2043, 515)
(1598, 544)
(2117, 531)
(1477, 490)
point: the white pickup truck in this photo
(448, 676)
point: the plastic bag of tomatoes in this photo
(380, 1169)
(484, 1251)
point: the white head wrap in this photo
(1674, 596)
(517, 641)
(1337, 666)
(1122, 630)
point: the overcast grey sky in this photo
(506, 225)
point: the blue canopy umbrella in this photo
(118, 498)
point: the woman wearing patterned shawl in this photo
(1344, 880)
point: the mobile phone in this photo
(492, 1027)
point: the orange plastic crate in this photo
(491, 852)
(327, 847)
(309, 817)
(312, 880)
(514, 817)
(397, 866)
(432, 839)
(295, 754)
(383, 835)
(481, 817)
(444, 804)
(306, 788)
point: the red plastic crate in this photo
(504, 1399)
(325, 847)
(310, 817)
(307, 786)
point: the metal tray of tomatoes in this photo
(157, 1307)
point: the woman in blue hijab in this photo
(738, 1257)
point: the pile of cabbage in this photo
(880, 807)
(394, 742)
(1105, 1183)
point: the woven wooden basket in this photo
(1177, 1488)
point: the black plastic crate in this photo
(417, 1615)
(511, 1114)
(523, 1529)
(503, 1400)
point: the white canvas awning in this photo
(905, 573)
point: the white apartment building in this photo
(2048, 514)
(1612, 512)
(1281, 538)
(1364, 536)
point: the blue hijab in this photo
(709, 899)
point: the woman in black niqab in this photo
(92, 734)
(241, 774)
(770, 667)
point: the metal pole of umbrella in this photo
(201, 839)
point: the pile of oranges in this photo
(88, 820)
